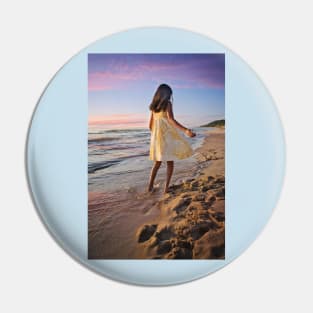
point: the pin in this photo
(89, 170)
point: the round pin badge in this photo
(155, 156)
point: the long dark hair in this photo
(161, 98)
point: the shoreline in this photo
(128, 171)
(187, 222)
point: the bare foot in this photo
(169, 189)
(166, 196)
(152, 189)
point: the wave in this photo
(101, 165)
(96, 166)
(118, 131)
(103, 139)
(126, 130)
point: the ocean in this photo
(118, 159)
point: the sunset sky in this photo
(121, 87)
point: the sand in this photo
(186, 223)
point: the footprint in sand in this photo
(164, 233)
(182, 205)
(146, 232)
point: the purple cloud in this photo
(119, 71)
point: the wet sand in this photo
(186, 223)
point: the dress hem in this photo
(171, 159)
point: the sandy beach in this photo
(186, 223)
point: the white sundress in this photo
(166, 143)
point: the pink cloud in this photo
(112, 119)
(109, 80)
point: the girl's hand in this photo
(190, 133)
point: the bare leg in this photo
(154, 171)
(170, 168)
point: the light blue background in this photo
(57, 157)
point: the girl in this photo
(166, 143)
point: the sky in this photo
(121, 87)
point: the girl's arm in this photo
(151, 121)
